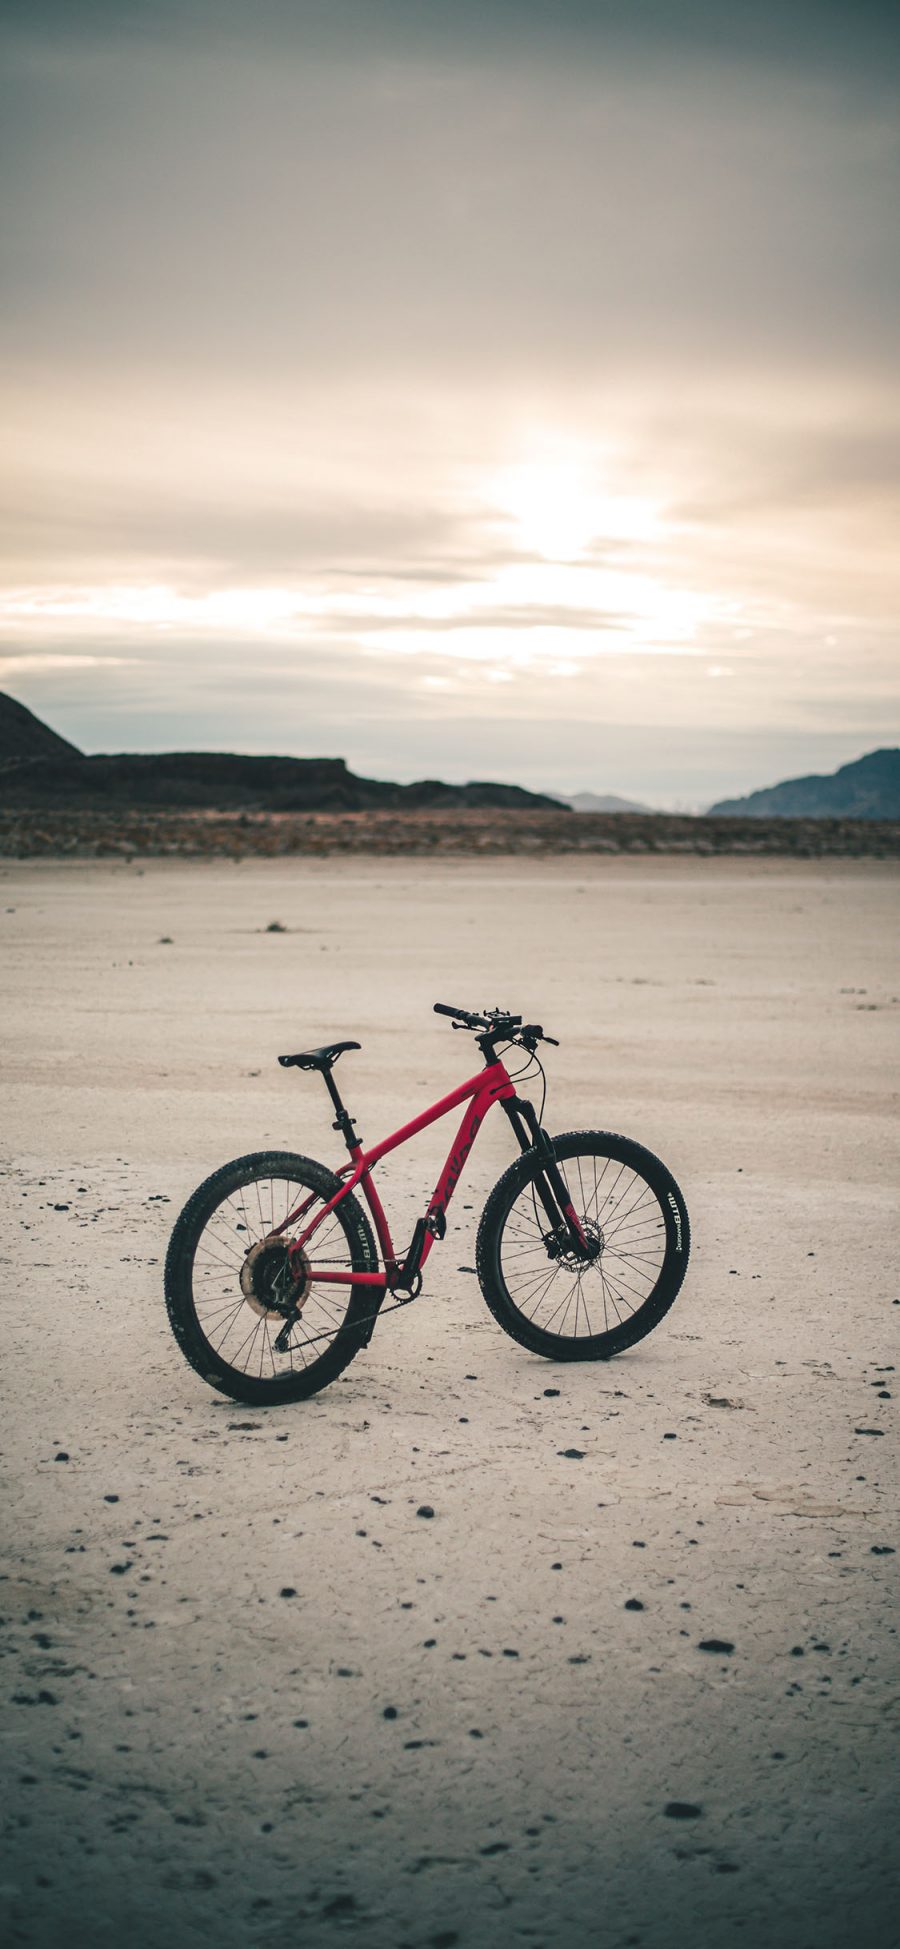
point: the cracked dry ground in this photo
(634, 1678)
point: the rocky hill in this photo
(869, 788)
(24, 736)
(39, 769)
(601, 802)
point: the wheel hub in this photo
(274, 1279)
(559, 1247)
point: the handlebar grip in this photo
(461, 1014)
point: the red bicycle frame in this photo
(491, 1085)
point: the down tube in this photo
(452, 1172)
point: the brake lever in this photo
(532, 1034)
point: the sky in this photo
(466, 390)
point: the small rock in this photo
(425, 1509)
(682, 1810)
(634, 1604)
(720, 1645)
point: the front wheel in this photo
(590, 1306)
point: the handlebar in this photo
(463, 1015)
(497, 1022)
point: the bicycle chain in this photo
(368, 1319)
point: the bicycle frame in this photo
(491, 1085)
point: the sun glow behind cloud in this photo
(534, 594)
(556, 511)
(518, 612)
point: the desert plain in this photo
(636, 1680)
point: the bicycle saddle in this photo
(317, 1058)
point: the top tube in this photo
(493, 1081)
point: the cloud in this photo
(43, 662)
(292, 286)
(217, 206)
(812, 35)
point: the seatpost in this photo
(342, 1119)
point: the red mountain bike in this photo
(273, 1278)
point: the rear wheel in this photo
(230, 1282)
(636, 1226)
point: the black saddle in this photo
(322, 1059)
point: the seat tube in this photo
(342, 1118)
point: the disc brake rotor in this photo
(274, 1282)
(595, 1241)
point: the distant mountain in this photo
(38, 768)
(22, 735)
(869, 788)
(601, 802)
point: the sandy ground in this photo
(456, 1731)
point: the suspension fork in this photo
(549, 1183)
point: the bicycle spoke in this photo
(243, 1331)
(621, 1214)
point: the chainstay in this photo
(368, 1319)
